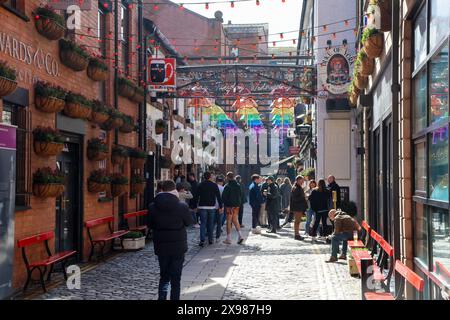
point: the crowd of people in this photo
(216, 204)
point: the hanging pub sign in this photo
(335, 70)
(161, 74)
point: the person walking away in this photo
(320, 204)
(272, 194)
(192, 205)
(232, 200)
(255, 199)
(168, 220)
(219, 213)
(184, 195)
(263, 214)
(344, 226)
(205, 200)
(244, 201)
(309, 212)
(285, 191)
(298, 205)
(333, 186)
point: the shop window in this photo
(420, 101)
(438, 164)
(124, 36)
(19, 116)
(440, 238)
(420, 168)
(439, 86)
(439, 21)
(421, 233)
(420, 38)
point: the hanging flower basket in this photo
(126, 88)
(365, 64)
(72, 55)
(7, 79)
(139, 95)
(97, 70)
(137, 184)
(361, 81)
(48, 183)
(160, 126)
(353, 99)
(49, 24)
(100, 112)
(137, 157)
(128, 125)
(47, 141)
(97, 150)
(118, 155)
(119, 185)
(77, 106)
(99, 181)
(48, 98)
(373, 42)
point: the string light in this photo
(232, 4)
(257, 2)
(155, 7)
(181, 7)
(281, 36)
(207, 6)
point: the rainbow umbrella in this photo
(283, 115)
(219, 116)
(247, 111)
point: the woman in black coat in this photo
(298, 205)
(320, 204)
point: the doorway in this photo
(68, 206)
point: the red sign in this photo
(162, 73)
(294, 151)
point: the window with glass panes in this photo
(430, 128)
(124, 35)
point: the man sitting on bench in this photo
(344, 226)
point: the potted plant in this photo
(119, 184)
(7, 79)
(373, 42)
(128, 124)
(48, 183)
(99, 181)
(364, 64)
(47, 141)
(118, 155)
(73, 55)
(77, 106)
(137, 157)
(48, 98)
(100, 112)
(353, 94)
(133, 240)
(139, 95)
(126, 88)
(97, 69)
(137, 183)
(97, 150)
(160, 126)
(361, 81)
(49, 23)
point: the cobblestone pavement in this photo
(266, 266)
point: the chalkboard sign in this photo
(345, 194)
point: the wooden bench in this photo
(101, 240)
(408, 275)
(42, 265)
(359, 243)
(136, 215)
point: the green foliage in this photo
(97, 145)
(98, 63)
(133, 235)
(100, 176)
(72, 46)
(114, 113)
(308, 172)
(100, 107)
(136, 178)
(118, 178)
(45, 90)
(48, 134)
(48, 12)
(48, 175)
(78, 99)
(126, 82)
(7, 72)
(120, 151)
(138, 153)
(160, 123)
(128, 120)
(368, 32)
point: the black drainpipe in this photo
(116, 63)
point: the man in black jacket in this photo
(168, 219)
(272, 208)
(333, 186)
(232, 199)
(193, 188)
(205, 201)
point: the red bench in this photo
(407, 274)
(101, 240)
(136, 215)
(42, 265)
(359, 243)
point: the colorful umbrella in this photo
(247, 111)
(219, 116)
(283, 115)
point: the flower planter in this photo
(361, 81)
(95, 187)
(117, 159)
(134, 244)
(97, 74)
(48, 148)
(137, 163)
(48, 190)
(119, 189)
(96, 155)
(49, 28)
(367, 66)
(49, 104)
(126, 91)
(126, 128)
(98, 117)
(159, 129)
(76, 110)
(73, 60)
(374, 46)
(137, 187)
(7, 86)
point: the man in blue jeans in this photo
(168, 219)
(344, 226)
(205, 200)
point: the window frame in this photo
(18, 9)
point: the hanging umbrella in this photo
(247, 111)
(199, 101)
(282, 113)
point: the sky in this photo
(282, 17)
